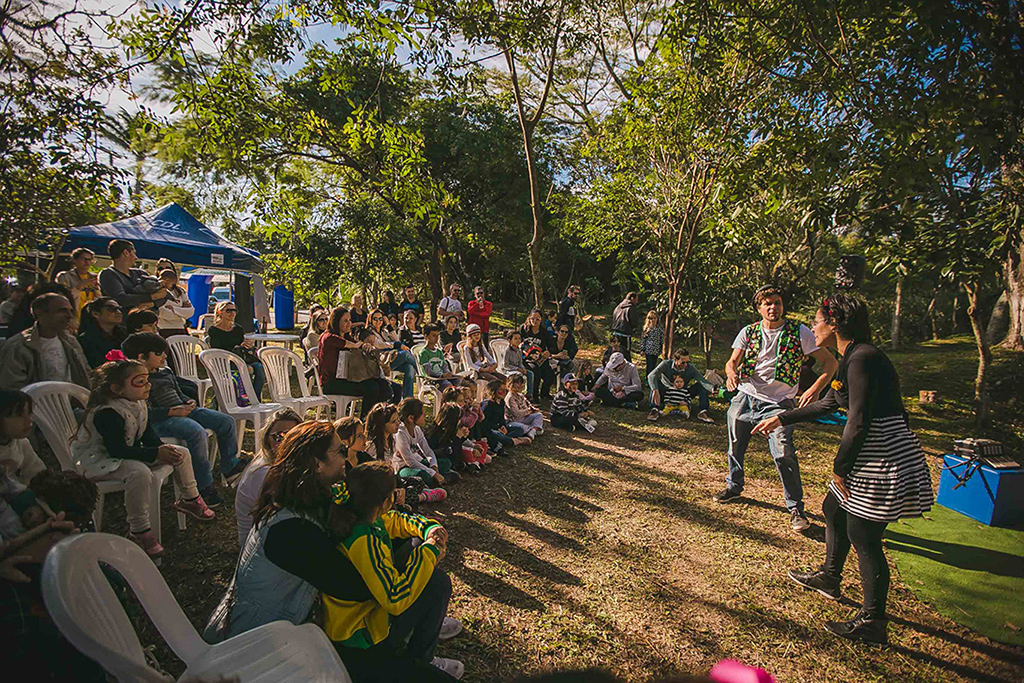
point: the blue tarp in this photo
(169, 232)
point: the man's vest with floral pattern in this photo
(788, 359)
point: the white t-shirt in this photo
(760, 384)
(449, 306)
(55, 360)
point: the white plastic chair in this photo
(186, 349)
(343, 404)
(53, 413)
(205, 320)
(499, 345)
(219, 364)
(481, 384)
(86, 610)
(428, 388)
(279, 364)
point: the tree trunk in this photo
(981, 391)
(707, 338)
(998, 322)
(961, 318)
(932, 318)
(897, 314)
(538, 221)
(434, 278)
(670, 318)
(1015, 295)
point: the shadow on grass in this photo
(971, 558)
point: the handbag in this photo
(341, 371)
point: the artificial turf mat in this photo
(969, 572)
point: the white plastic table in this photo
(261, 338)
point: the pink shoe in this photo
(147, 541)
(196, 509)
(434, 495)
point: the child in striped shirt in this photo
(570, 408)
(676, 399)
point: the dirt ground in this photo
(606, 550)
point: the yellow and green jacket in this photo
(368, 547)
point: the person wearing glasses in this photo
(45, 351)
(251, 481)
(451, 305)
(563, 350)
(662, 377)
(226, 334)
(401, 360)
(101, 330)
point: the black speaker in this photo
(850, 271)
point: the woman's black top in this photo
(300, 547)
(530, 338)
(570, 346)
(453, 337)
(866, 384)
(219, 339)
(411, 338)
(97, 344)
(357, 318)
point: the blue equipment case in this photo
(991, 496)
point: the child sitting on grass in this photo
(116, 442)
(676, 399)
(518, 409)
(496, 425)
(448, 438)
(381, 426)
(569, 409)
(586, 376)
(515, 360)
(407, 601)
(413, 456)
(471, 419)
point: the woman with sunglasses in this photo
(100, 330)
(251, 482)
(563, 350)
(226, 334)
(401, 360)
(879, 474)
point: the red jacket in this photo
(480, 313)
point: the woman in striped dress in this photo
(879, 474)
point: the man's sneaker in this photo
(451, 477)
(727, 496)
(818, 581)
(452, 667)
(798, 520)
(704, 417)
(861, 628)
(211, 496)
(147, 541)
(196, 509)
(237, 470)
(654, 415)
(434, 495)
(449, 629)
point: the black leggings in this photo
(609, 399)
(372, 391)
(565, 422)
(843, 528)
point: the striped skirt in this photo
(890, 479)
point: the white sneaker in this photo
(452, 667)
(449, 628)
(538, 431)
(590, 425)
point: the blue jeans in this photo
(744, 413)
(192, 430)
(259, 378)
(405, 364)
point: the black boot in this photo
(818, 581)
(861, 628)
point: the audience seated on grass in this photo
(570, 408)
(586, 376)
(174, 412)
(664, 376)
(536, 341)
(563, 350)
(497, 428)
(448, 439)
(515, 361)
(393, 634)
(619, 384)
(413, 456)
(518, 409)
(381, 426)
(117, 442)
(45, 351)
(249, 484)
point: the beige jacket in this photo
(21, 360)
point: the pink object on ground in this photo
(731, 671)
(434, 495)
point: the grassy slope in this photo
(606, 550)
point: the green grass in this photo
(969, 572)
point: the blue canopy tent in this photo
(170, 232)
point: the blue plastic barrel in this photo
(199, 294)
(284, 308)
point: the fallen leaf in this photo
(1012, 627)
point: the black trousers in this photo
(372, 391)
(650, 363)
(625, 345)
(543, 378)
(843, 529)
(608, 398)
(565, 422)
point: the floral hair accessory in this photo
(340, 492)
(115, 354)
